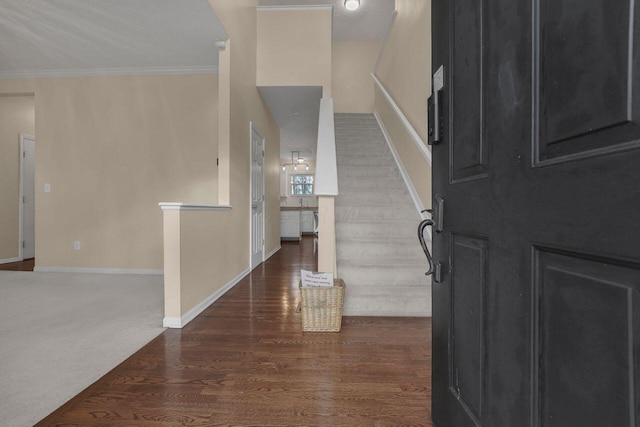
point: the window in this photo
(301, 185)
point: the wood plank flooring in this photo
(245, 361)
(26, 265)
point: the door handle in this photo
(427, 222)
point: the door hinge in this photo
(24, 199)
(24, 154)
(24, 244)
(217, 161)
(262, 153)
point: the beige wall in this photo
(17, 115)
(405, 64)
(352, 63)
(413, 160)
(204, 264)
(239, 18)
(404, 69)
(215, 246)
(294, 48)
(196, 258)
(112, 148)
(272, 186)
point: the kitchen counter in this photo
(296, 221)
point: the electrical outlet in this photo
(76, 245)
(47, 188)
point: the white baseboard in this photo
(8, 260)
(181, 322)
(272, 253)
(172, 322)
(99, 270)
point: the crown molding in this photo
(100, 72)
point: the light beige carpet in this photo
(60, 332)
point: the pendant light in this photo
(299, 161)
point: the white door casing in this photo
(257, 198)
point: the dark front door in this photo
(537, 310)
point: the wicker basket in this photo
(322, 307)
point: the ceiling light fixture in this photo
(299, 161)
(351, 4)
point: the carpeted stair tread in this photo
(375, 230)
(365, 171)
(378, 253)
(359, 249)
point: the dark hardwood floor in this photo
(26, 265)
(245, 361)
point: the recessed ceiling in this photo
(87, 37)
(369, 22)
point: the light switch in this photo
(47, 188)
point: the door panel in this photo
(468, 151)
(257, 198)
(586, 326)
(535, 317)
(468, 288)
(587, 89)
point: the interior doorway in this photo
(257, 198)
(27, 197)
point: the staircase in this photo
(377, 247)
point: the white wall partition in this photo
(196, 242)
(326, 187)
(326, 166)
